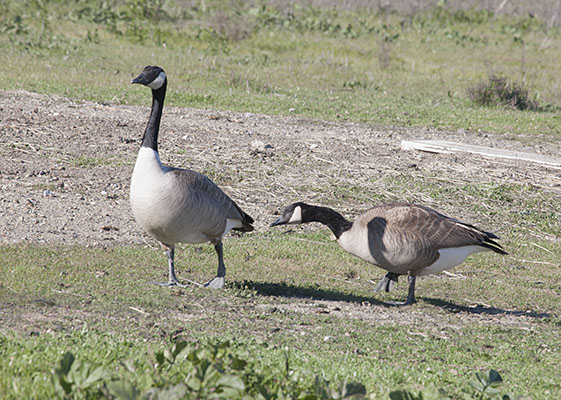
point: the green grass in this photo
(296, 289)
(97, 304)
(370, 67)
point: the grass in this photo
(378, 68)
(296, 289)
(82, 300)
(499, 91)
(89, 162)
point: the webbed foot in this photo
(216, 283)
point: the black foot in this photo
(169, 284)
(401, 303)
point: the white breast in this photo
(149, 193)
(147, 180)
(449, 258)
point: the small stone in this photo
(257, 144)
(260, 147)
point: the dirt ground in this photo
(65, 170)
(66, 166)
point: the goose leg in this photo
(411, 294)
(172, 281)
(387, 282)
(218, 282)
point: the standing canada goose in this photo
(404, 239)
(178, 205)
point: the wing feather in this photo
(212, 203)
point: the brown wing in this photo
(213, 204)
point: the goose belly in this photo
(449, 258)
(160, 218)
(403, 260)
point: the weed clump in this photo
(498, 91)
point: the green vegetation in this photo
(375, 67)
(298, 318)
(88, 301)
(209, 370)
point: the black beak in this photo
(279, 221)
(140, 79)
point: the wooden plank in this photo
(447, 147)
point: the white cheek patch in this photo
(158, 82)
(296, 216)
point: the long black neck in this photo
(150, 138)
(331, 218)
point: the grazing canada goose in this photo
(178, 205)
(404, 239)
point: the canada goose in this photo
(404, 239)
(178, 205)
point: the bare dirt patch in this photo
(66, 165)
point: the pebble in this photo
(260, 145)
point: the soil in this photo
(66, 165)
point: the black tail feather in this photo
(490, 244)
(246, 221)
(491, 235)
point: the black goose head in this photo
(293, 214)
(151, 76)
